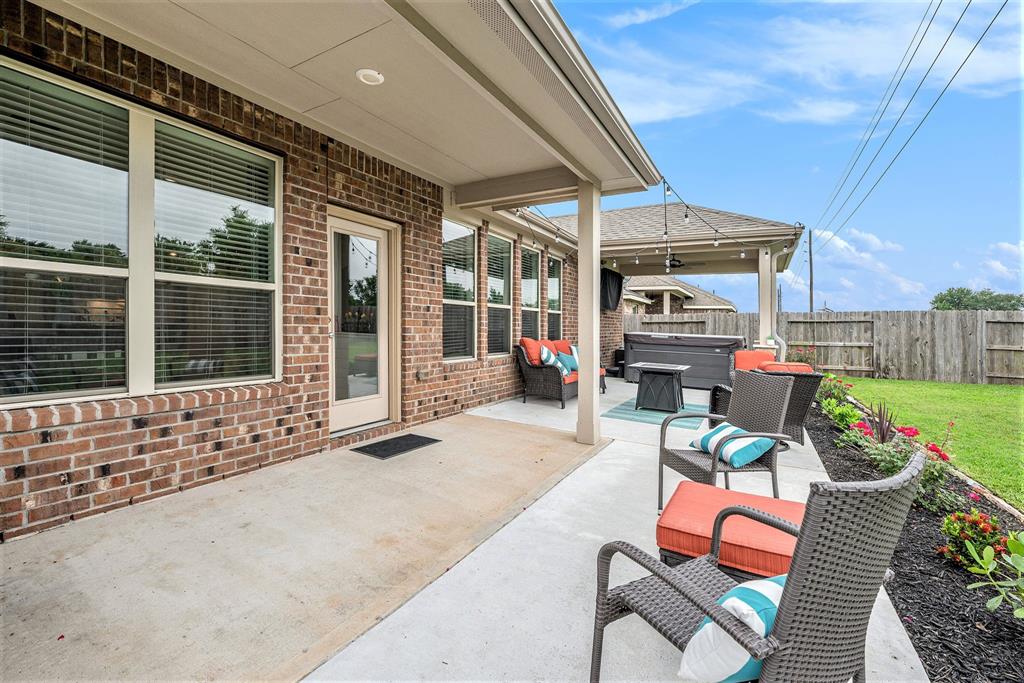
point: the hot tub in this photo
(709, 356)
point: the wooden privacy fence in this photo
(970, 347)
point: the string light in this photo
(636, 260)
(716, 240)
(686, 216)
(743, 254)
(615, 263)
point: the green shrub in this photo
(832, 387)
(1003, 571)
(932, 493)
(841, 413)
(976, 527)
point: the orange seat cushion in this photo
(532, 349)
(772, 366)
(749, 360)
(562, 346)
(686, 524)
(575, 376)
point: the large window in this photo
(499, 295)
(458, 250)
(554, 298)
(529, 285)
(104, 203)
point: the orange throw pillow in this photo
(532, 349)
(749, 360)
(550, 344)
(562, 346)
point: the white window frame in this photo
(523, 307)
(508, 306)
(476, 294)
(141, 275)
(561, 295)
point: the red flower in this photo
(908, 431)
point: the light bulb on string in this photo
(743, 254)
(636, 260)
(686, 217)
(615, 263)
(716, 240)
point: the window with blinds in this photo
(214, 207)
(529, 285)
(458, 254)
(206, 333)
(499, 295)
(65, 329)
(554, 298)
(63, 174)
(60, 334)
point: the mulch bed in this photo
(956, 638)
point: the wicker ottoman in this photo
(749, 549)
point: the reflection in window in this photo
(356, 340)
(554, 299)
(530, 286)
(60, 333)
(458, 251)
(499, 295)
(214, 207)
(208, 333)
(63, 174)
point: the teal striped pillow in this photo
(712, 656)
(738, 452)
(547, 357)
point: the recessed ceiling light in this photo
(370, 76)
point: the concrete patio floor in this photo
(520, 606)
(265, 576)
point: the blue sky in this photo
(756, 107)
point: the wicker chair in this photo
(758, 405)
(805, 388)
(842, 554)
(546, 380)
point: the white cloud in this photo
(794, 281)
(848, 284)
(645, 99)
(998, 269)
(871, 241)
(840, 254)
(808, 110)
(1014, 250)
(957, 266)
(643, 15)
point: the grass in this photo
(988, 436)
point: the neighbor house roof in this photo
(636, 296)
(695, 296)
(647, 222)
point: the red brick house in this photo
(232, 237)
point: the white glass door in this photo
(359, 324)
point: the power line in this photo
(920, 123)
(895, 125)
(883, 105)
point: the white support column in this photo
(666, 302)
(588, 420)
(765, 295)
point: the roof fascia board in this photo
(550, 30)
(403, 11)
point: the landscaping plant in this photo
(832, 387)
(1003, 571)
(802, 354)
(841, 413)
(974, 527)
(882, 422)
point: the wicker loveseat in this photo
(546, 381)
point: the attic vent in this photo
(508, 33)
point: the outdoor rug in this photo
(388, 448)
(624, 411)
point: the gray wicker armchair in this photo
(843, 551)
(805, 388)
(546, 380)
(758, 405)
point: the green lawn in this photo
(988, 439)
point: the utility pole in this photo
(779, 298)
(810, 262)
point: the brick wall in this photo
(611, 333)
(72, 460)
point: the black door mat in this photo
(389, 448)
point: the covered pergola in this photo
(682, 239)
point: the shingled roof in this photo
(639, 222)
(698, 298)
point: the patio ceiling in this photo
(492, 100)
